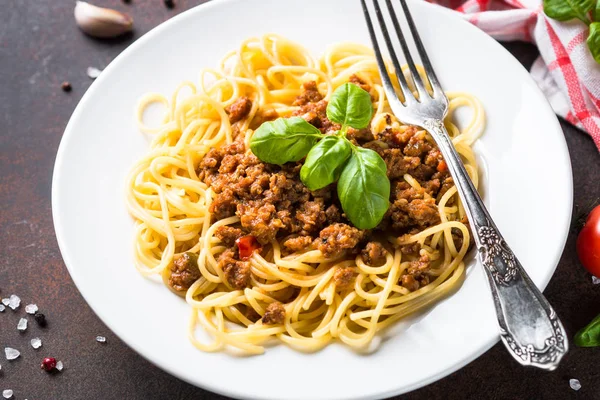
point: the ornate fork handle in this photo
(529, 326)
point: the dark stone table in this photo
(42, 47)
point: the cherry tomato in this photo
(588, 243)
(247, 245)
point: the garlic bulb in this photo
(101, 22)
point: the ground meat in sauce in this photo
(298, 243)
(410, 207)
(410, 249)
(239, 109)
(311, 215)
(424, 212)
(262, 116)
(336, 238)
(316, 115)
(262, 220)
(343, 277)
(333, 214)
(236, 272)
(184, 272)
(398, 164)
(228, 235)
(457, 236)
(274, 314)
(374, 254)
(447, 183)
(272, 203)
(310, 94)
(416, 275)
(359, 82)
(417, 145)
(360, 136)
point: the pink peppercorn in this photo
(49, 364)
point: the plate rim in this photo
(81, 106)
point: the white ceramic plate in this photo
(528, 190)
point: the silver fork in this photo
(529, 327)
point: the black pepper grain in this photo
(66, 86)
(40, 319)
(170, 4)
(126, 1)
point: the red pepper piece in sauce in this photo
(442, 166)
(247, 245)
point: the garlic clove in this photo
(101, 22)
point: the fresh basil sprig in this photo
(587, 11)
(364, 189)
(325, 161)
(350, 105)
(589, 336)
(363, 186)
(565, 10)
(284, 140)
(593, 40)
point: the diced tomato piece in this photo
(247, 245)
(442, 166)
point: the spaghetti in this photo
(170, 201)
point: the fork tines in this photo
(397, 30)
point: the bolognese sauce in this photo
(272, 202)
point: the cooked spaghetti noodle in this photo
(171, 203)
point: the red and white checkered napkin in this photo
(565, 70)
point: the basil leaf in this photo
(593, 40)
(589, 336)
(324, 162)
(284, 140)
(350, 105)
(564, 10)
(364, 188)
(596, 12)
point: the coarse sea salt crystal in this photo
(59, 366)
(11, 354)
(93, 72)
(36, 343)
(6, 301)
(575, 384)
(22, 325)
(31, 308)
(100, 339)
(7, 394)
(595, 280)
(2, 308)
(14, 301)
